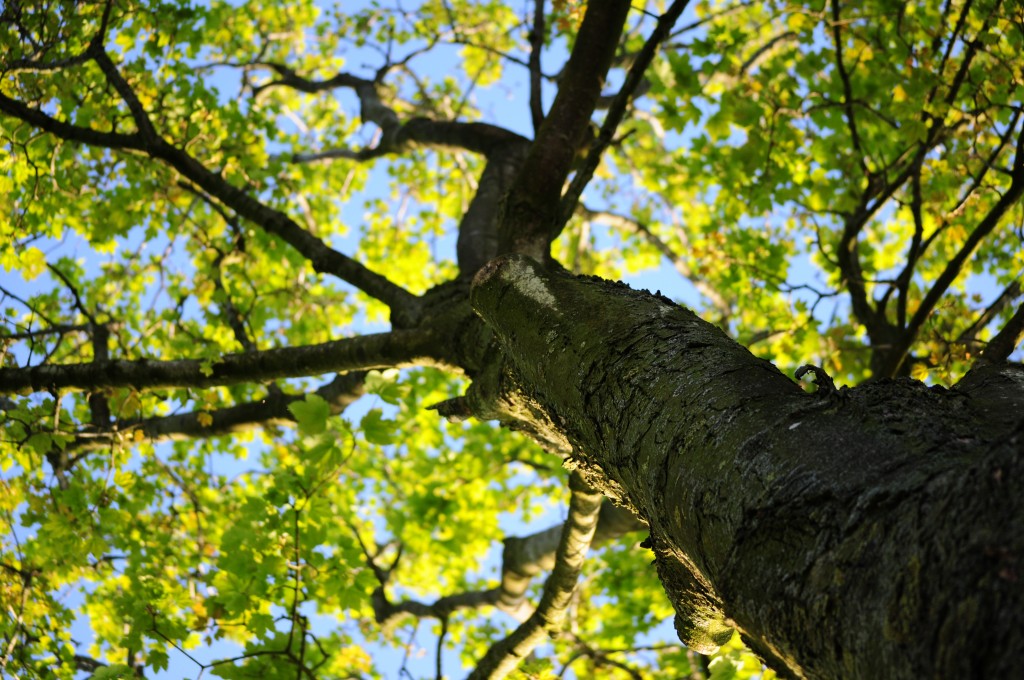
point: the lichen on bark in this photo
(841, 532)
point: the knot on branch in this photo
(822, 379)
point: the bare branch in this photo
(502, 658)
(381, 350)
(616, 111)
(1002, 345)
(537, 37)
(533, 206)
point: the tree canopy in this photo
(247, 406)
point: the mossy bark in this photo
(870, 532)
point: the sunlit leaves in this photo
(311, 414)
(742, 164)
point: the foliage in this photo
(833, 184)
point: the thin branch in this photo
(988, 165)
(440, 647)
(147, 132)
(1009, 294)
(956, 263)
(677, 260)
(79, 305)
(969, 53)
(913, 251)
(323, 258)
(763, 49)
(270, 410)
(482, 138)
(708, 18)
(844, 77)
(73, 133)
(290, 78)
(1002, 345)
(61, 329)
(334, 154)
(98, 406)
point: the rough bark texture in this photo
(872, 532)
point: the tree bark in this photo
(852, 533)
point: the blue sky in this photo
(506, 106)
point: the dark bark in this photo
(380, 350)
(532, 207)
(870, 532)
(616, 111)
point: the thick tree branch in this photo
(707, 417)
(522, 560)
(503, 657)
(533, 206)
(537, 38)
(380, 350)
(478, 229)
(617, 110)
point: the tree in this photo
(839, 185)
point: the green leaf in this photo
(376, 429)
(311, 414)
(116, 672)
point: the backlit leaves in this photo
(734, 180)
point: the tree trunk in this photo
(873, 532)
